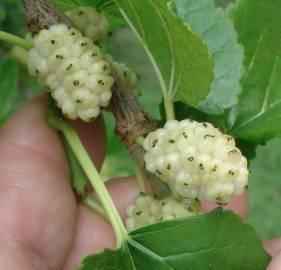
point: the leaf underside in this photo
(217, 240)
(218, 32)
(257, 116)
(179, 56)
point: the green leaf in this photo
(107, 6)
(14, 18)
(9, 69)
(54, 117)
(66, 5)
(248, 149)
(71, 4)
(183, 111)
(265, 190)
(217, 240)
(218, 32)
(257, 116)
(223, 3)
(179, 56)
(108, 260)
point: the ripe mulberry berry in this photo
(197, 161)
(91, 22)
(73, 70)
(148, 210)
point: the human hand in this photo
(41, 224)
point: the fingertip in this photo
(273, 246)
(275, 264)
(123, 192)
(92, 235)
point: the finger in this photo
(33, 170)
(92, 135)
(275, 264)
(36, 200)
(239, 205)
(14, 257)
(273, 246)
(93, 234)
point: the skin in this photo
(41, 224)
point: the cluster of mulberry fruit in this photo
(73, 69)
(197, 161)
(148, 210)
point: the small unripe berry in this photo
(124, 72)
(148, 210)
(91, 22)
(197, 161)
(73, 70)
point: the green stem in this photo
(15, 40)
(92, 204)
(97, 183)
(140, 177)
(169, 107)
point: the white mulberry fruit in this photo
(197, 161)
(91, 21)
(73, 69)
(148, 210)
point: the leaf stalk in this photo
(169, 107)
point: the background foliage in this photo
(16, 87)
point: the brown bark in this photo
(132, 122)
(42, 14)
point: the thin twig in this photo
(133, 123)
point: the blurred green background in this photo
(16, 87)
